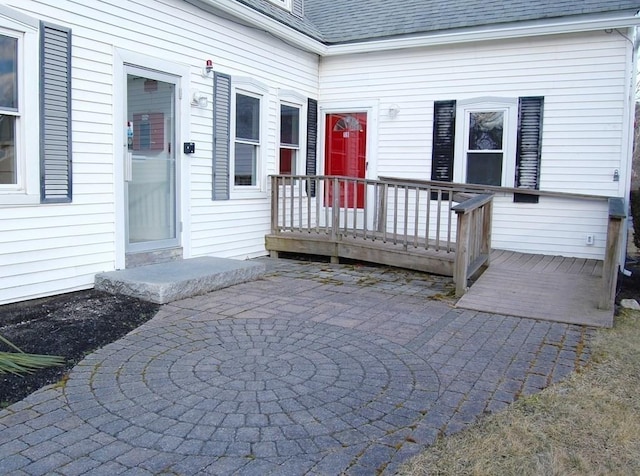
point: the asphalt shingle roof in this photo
(301, 24)
(344, 21)
(355, 20)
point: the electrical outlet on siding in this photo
(590, 239)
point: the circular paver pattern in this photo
(267, 387)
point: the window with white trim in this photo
(487, 144)
(9, 112)
(289, 140)
(247, 163)
(19, 153)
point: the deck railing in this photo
(409, 216)
(473, 238)
(449, 221)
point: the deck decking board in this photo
(541, 287)
(542, 263)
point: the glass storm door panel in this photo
(346, 154)
(150, 162)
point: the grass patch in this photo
(587, 425)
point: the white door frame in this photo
(371, 108)
(123, 58)
(371, 169)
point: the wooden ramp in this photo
(542, 287)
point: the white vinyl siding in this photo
(62, 246)
(584, 79)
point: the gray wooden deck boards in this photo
(540, 287)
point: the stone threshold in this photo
(166, 282)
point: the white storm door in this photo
(150, 167)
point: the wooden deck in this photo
(443, 228)
(540, 287)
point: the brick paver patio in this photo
(316, 369)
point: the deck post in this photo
(335, 209)
(382, 208)
(612, 253)
(274, 205)
(474, 222)
(487, 222)
(462, 253)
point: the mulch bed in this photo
(75, 324)
(71, 325)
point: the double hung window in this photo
(289, 139)
(487, 143)
(247, 140)
(10, 173)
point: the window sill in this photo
(248, 193)
(11, 199)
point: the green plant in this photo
(19, 362)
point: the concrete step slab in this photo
(166, 282)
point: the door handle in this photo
(128, 166)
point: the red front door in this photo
(346, 154)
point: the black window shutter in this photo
(312, 141)
(55, 114)
(444, 124)
(530, 112)
(221, 135)
(444, 119)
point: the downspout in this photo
(631, 108)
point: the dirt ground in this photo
(70, 325)
(75, 324)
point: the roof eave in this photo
(260, 21)
(493, 32)
(573, 24)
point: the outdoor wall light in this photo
(199, 100)
(394, 110)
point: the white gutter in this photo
(260, 21)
